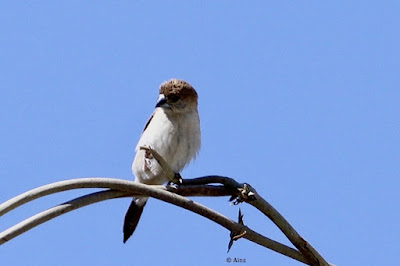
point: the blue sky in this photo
(301, 100)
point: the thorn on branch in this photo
(245, 194)
(237, 235)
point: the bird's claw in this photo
(176, 181)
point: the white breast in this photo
(176, 138)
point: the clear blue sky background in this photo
(301, 100)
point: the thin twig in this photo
(164, 165)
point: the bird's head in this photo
(177, 96)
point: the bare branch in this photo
(100, 182)
(302, 245)
(51, 213)
(313, 257)
(190, 187)
(129, 189)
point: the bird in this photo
(173, 131)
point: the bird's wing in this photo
(148, 122)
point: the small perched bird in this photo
(173, 131)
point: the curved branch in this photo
(151, 191)
(302, 245)
(51, 213)
(190, 187)
(248, 194)
(100, 182)
(262, 205)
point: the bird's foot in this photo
(176, 181)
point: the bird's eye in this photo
(173, 98)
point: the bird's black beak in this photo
(162, 101)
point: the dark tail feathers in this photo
(132, 217)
